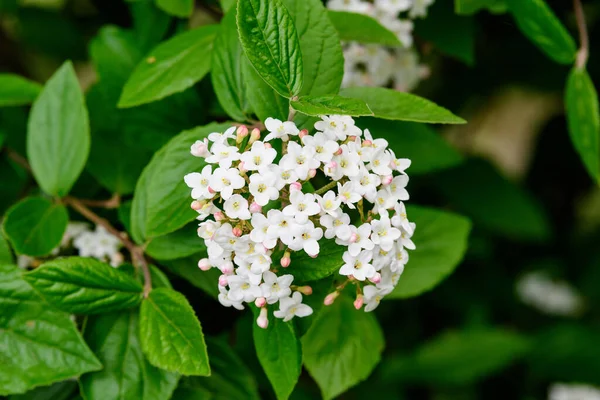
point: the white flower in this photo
(382, 258)
(224, 154)
(329, 203)
(563, 391)
(398, 187)
(383, 201)
(366, 184)
(292, 306)
(389, 279)
(348, 194)
(260, 225)
(306, 237)
(381, 163)
(356, 6)
(372, 297)
(384, 234)
(419, 8)
(362, 241)
(280, 226)
(283, 177)
(299, 159)
(337, 127)
(336, 226)
(400, 219)
(551, 297)
(402, 28)
(405, 240)
(324, 147)
(259, 157)
(99, 244)
(226, 299)
(261, 187)
(393, 7)
(199, 183)
(260, 263)
(280, 130)
(225, 181)
(240, 285)
(301, 206)
(275, 288)
(359, 266)
(200, 148)
(207, 229)
(74, 229)
(347, 164)
(217, 137)
(402, 164)
(236, 207)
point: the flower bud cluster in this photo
(257, 209)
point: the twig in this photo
(113, 202)
(137, 253)
(326, 187)
(17, 158)
(583, 53)
(292, 112)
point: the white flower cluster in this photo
(551, 297)
(376, 65)
(563, 391)
(259, 211)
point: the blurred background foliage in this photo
(512, 170)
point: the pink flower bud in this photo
(211, 190)
(219, 216)
(386, 180)
(338, 152)
(295, 186)
(196, 205)
(358, 303)
(237, 231)
(332, 165)
(255, 207)
(285, 261)
(254, 136)
(260, 302)
(367, 143)
(303, 133)
(312, 173)
(262, 320)
(268, 145)
(223, 280)
(227, 268)
(242, 132)
(330, 298)
(352, 138)
(204, 265)
(376, 278)
(199, 149)
(241, 167)
(307, 290)
(353, 238)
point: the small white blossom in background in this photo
(252, 248)
(563, 391)
(377, 65)
(538, 290)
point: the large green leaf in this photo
(6, 256)
(126, 374)
(493, 203)
(171, 334)
(265, 102)
(306, 269)
(178, 8)
(441, 240)
(583, 117)
(179, 244)
(35, 225)
(57, 391)
(270, 41)
(150, 24)
(427, 150)
(230, 378)
(537, 21)
(280, 354)
(354, 27)
(58, 134)
(17, 91)
(226, 70)
(323, 105)
(40, 345)
(84, 286)
(171, 67)
(342, 347)
(457, 358)
(469, 7)
(161, 203)
(395, 105)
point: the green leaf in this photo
(84, 286)
(493, 203)
(161, 203)
(440, 20)
(271, 43)
(469, 7)
(265, 101)
(6, 256)
(187, 268)
(35, 226)
(40, 344)
(230, 378)
(322, 105)
(150, 24)
(126, 374)
(58, 134)
(178, 8)
(354, 27)
(171, 67)
(179, 244)
(583, 117)
(227, 5)
(171, 334)
(342, 347)
(537, 21)
(427, 150)
(58, 391)
(458, 358)
(441, 239)
(305, 269)
(280, 354)
(395, 105)
(17, 91)
(226, 70)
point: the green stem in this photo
(326, 187)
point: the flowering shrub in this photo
(210, 199)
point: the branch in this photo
(292, 113)
(113, 202)
(583, 53)
(17, 158)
